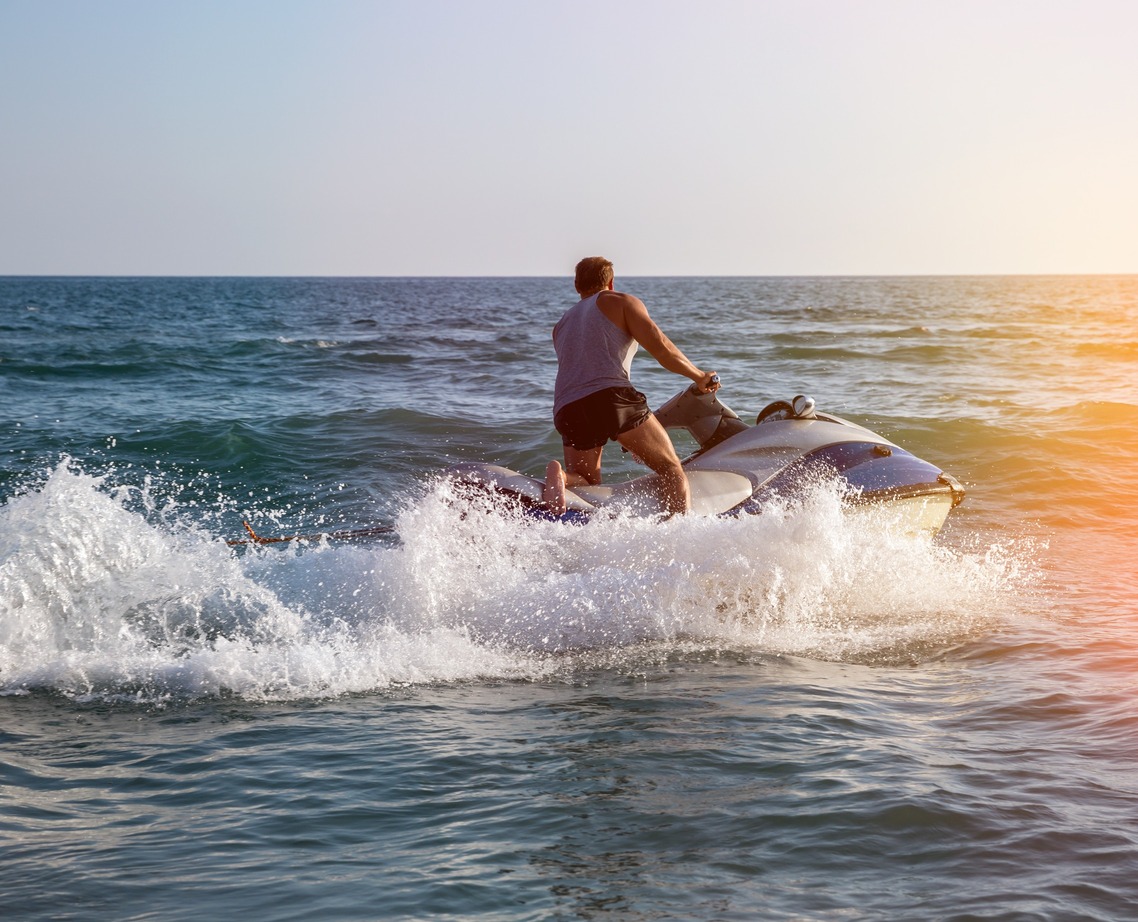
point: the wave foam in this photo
(97, 601)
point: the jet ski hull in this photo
(742, 469)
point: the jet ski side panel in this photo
(874, 470)
(785, 457)
(761, 452)
(503, 480)
(712, 493)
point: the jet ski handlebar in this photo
(702, 414)
(710, 421)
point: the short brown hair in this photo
(593, 274)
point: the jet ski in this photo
(740, 468)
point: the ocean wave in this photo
(98, 600)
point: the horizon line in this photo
(726, 275)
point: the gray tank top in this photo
(593, 353)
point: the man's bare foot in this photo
(553, 493)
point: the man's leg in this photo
(650, 442)
(581, 468)
(553, 493)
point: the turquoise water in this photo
(795, 716)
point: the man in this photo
(594, 399)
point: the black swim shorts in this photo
(588, 423)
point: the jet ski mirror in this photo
(800, 407)
(803, 407)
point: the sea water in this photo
(799, 715)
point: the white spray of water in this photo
(95, 601)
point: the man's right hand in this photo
(707, 383)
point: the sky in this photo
(502, 138)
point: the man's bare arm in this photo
(644, 330)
